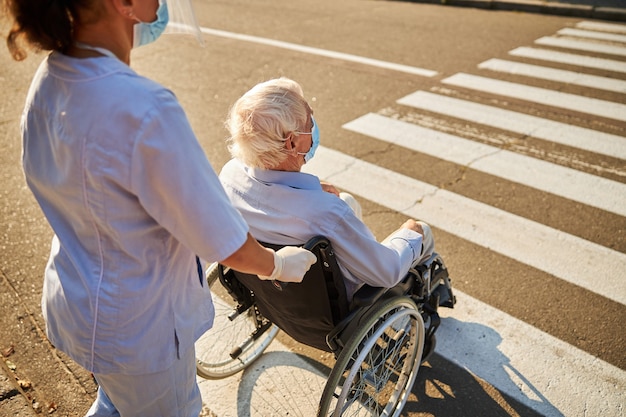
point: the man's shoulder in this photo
(231, 170)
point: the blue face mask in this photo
(315, 136)
(146, 33)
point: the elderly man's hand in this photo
(413, 225)
(329, 188)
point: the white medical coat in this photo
(131, 198)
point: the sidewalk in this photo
(591, 9)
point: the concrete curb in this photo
(542, 7)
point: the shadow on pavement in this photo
(285, 383)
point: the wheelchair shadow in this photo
(290, 384)
(282, 383)
(451, 386)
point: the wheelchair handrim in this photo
(403, 395)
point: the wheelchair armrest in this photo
(364, 298)
(366, 295)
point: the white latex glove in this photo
(290, 264)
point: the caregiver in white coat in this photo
(133, 202)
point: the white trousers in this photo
(173, 392)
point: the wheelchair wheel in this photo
(214, 348)
(375, 371)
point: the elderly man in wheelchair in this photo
(372, 304)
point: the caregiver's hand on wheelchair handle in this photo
(290, 264)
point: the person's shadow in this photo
(288, 384)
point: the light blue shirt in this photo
(131, 198)
(288, 208)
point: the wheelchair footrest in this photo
(446, 298)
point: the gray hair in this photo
(262, 119)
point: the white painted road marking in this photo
(537, 127)
(557, 75)
(546, 374)
(582, 45)
(603, 36)
(569, 59)
(545, 176)
(322, 52)
(567, 101)
(604, 27)
(570, 258)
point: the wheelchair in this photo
(378, 340)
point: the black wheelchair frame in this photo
(379, 339)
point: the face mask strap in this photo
(315, 141)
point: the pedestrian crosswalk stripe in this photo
(542, 372)
(537, 127)
(579, 33)
(552, 74)
(565, 256)
(548, 97)
(582, 45)
(569, 59)
(599, 26)
(565, 182)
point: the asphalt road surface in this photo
(505, 131)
